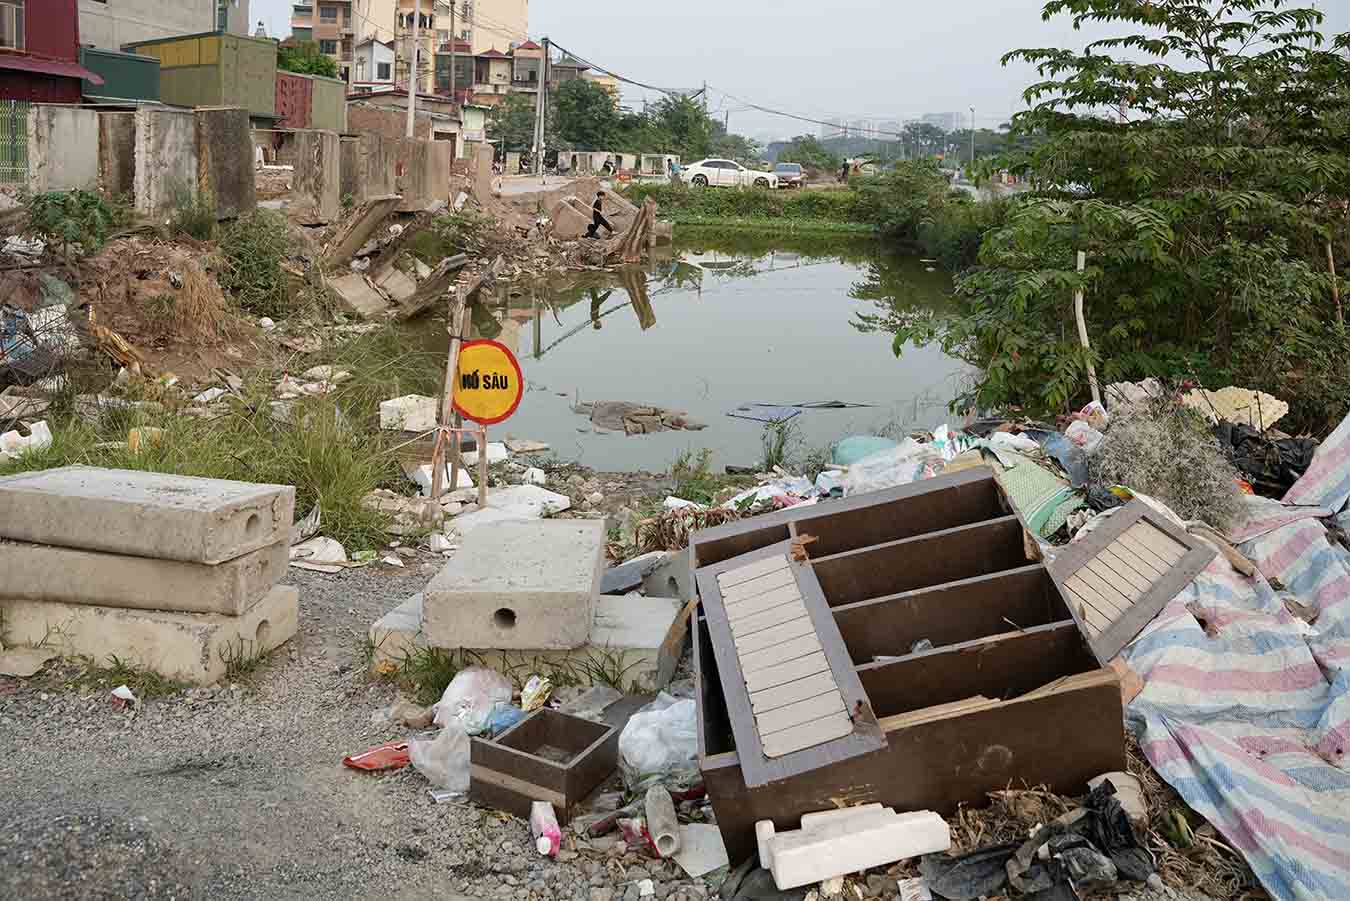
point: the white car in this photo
(727, 174)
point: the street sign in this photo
(488, 382)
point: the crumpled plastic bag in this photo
(444, 760)
(660, 745)
(470, 697)
(909, 461)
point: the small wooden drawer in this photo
(548, 756)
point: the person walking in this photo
(843, 173)
(598, 219)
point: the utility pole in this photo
(453, 40)
(972, 144)
(541, 113)
(705, 97)
(412, 72)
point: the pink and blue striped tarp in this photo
(1245, 709)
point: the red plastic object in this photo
(390, 756)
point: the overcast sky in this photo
(847, 58)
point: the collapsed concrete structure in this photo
(176, 574)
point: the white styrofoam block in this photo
(849, 843)
(422, 476)
(812, 820)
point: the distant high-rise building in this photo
(835, 129)
(944, 121)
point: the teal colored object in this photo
(855, 448)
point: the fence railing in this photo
(13, 141)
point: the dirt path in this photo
(242, 794)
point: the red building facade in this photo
(40, 51)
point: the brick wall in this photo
(388, 123)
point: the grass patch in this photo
(424, 673)
(114, 671)
(320, 451)
(253, 248)
(241, 660)
(193, 215)
(75, 217)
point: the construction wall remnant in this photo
(117, 153)
(166, 158)
(423, 173)
(315, 197)
(62, 148)
(376, 160)
(225, 161)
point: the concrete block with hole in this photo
(529, 584)
(39, 572)
(145, 514)
(192, 647)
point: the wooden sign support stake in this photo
(458, 308)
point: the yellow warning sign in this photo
(488, 383)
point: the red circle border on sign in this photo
(520, 380)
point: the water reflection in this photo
(708, 325)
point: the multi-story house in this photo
(39, 53)
(109, 24)
(332, 24)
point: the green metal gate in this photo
(13, 141)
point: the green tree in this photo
(587, 115)
(685, 126)
(1206, 196)
(306, 59)
(808, 151)
(512, 121)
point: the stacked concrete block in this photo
(176, 574)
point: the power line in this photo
(591, 65)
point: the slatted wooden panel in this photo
(794, 697)
(1118, 578)
(793, 700)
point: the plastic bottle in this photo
(544, 828)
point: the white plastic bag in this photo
(444, 760)
(470, 697)
(660, 744)
(909, 461)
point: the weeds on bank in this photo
(114, 671)
(241, 660)
(695, 480)
(194, 214)
(423, 673)
(75, 217)
(253, 248)
(329, 461)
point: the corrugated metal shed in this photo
(126, 76)
(311, 101)
(216, 69)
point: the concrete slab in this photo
(39, 572)
(62, 148)
(398, 633)
(624, 633)
(361, 226)
(671, 578)
(468, 522)
(518, 585)
(145, 514)
(165, 159)
(192, 647)
(359, 296)
(627, 576)
(397, 284)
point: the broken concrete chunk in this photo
(410, 413)
(359, 296)
(848, 841)
(535, 476)
(145, 514)
(528, 501)
(397, 284)
(517, 446)
(421, 474)
(624, 577)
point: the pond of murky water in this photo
(711, 325)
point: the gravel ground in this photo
(240, 792)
